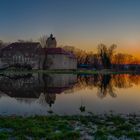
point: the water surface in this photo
(64, 94)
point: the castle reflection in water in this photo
(37, 86)
(45, 87)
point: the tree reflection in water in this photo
(45, 87)
(107, 84)
(103, 83)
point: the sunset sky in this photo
(80, 23)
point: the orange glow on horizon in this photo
(127, 48)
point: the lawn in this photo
(100, 127)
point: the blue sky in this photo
(82, 23)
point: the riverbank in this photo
(100, 127)
(22, 72)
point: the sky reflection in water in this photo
(65, 93)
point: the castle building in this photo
(33, 55)
(23, 54)
(58, 58)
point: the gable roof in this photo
(60, 51)
(30, 47)
(56, 51)
(23, 46)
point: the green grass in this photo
(63, 127)
(54, 128)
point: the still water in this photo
(64, 94)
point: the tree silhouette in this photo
(43, 40)
(106, 54)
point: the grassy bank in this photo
(100, 127)
(20, 72)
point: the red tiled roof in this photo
(60, 51)
(30, 47)
(23, 44)
(56, 51)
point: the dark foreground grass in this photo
(50, 128)
(70, 127)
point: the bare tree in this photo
(43, 40)
(106, 54)
(121, 58)
(1, 43)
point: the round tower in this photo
(51, 42)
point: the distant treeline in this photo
(105, 57)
